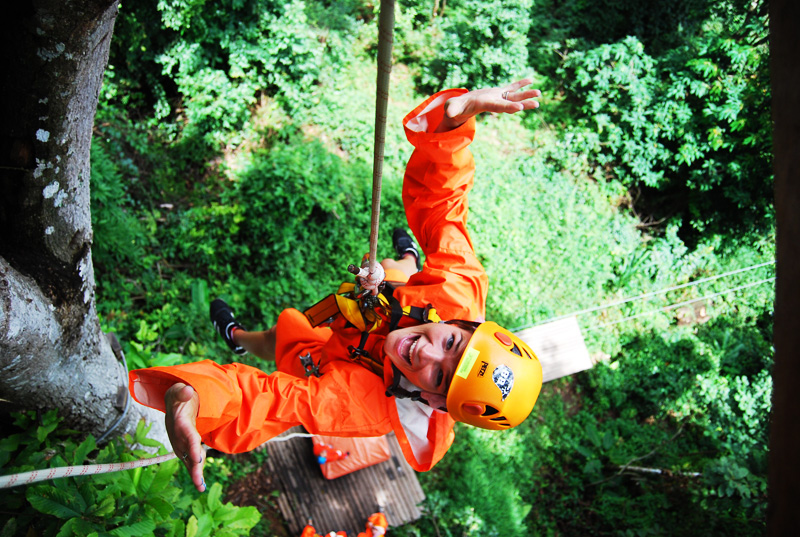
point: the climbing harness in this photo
(309, 366)
(367, 313)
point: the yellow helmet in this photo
(497, 380)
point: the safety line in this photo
(26, 478)
(385, 39)
(643, 296)
(34, 476)
(679, 304)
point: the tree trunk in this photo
(52, 351)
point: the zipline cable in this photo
(643, 296)
(385, 39)
(34, 476)
(679, 304)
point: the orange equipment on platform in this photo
(363, 452)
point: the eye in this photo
(450, 342)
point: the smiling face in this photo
(427, 355)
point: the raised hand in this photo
(502, 100)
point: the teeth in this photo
(410, 352)
(411, 349)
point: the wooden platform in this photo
(346, 502)
(559, 346)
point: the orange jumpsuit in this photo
(241, 407)
(309, 531)
(376, 520)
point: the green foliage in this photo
(482, 44)
(119, 236)
(690, 128)
(667, 402)
(218, 55)
(133, 503)
(525, 216)
(476, 491)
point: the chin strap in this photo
(401, 393)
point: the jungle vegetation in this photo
(232, 157)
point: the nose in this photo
(430, 353)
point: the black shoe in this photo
(404, 244)
(224, 322)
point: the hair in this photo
(469, 326)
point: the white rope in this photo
(645, 295)
(34, 476)
(26, 478)
(679, 304)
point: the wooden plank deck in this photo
(346, 502)
(559, 346)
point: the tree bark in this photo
(52, 351)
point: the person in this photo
(310, 531)
(376, 526)
(344, 369)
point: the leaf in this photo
(592, 467)
(585, 452)
(51, 501)
(591, 434)
(68, 528)
(10, 528)
(105, 507)
(11, 443)
(76, 526)
(246, 518)
(161, 506)
(177, 529)
(214, 496)
(163, 476)
(191, 527)
(86, 447)
(205, 525)
(43, 430)
(137, 529)
(608, 441)
(739, 472)
(143, 479)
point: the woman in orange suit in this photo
(376, 526)
(420, 359)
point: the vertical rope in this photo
(385, 29)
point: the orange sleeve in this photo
(242, 407)
(309, 531)
(438, 177)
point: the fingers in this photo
(510, 93)
(514, 86)
(181, 407)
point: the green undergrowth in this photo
(153, 500)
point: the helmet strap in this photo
(398, 391)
